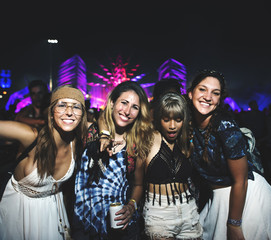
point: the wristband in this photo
(233, 222)
(106, 137)
(105, 132)
(134, 201)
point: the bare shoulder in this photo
(157, 138)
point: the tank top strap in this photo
(72, 151)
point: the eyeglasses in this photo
(62, 107)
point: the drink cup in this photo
(115, 207)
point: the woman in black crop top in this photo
(170, 210)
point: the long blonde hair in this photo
(140, 133)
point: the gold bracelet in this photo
(134, 201)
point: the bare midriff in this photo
(218, 186)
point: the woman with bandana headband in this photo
(32, 204)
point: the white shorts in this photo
(180, 221)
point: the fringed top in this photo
(169, 167)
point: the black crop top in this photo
(168, 167)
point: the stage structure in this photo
(20, 98)
(172, 69)
(5, 84)
(73, 72)
(118, 72)
(5, 81)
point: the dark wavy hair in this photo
(210, 73)
(223, 94)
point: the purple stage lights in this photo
(175, 70)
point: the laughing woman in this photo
(103, 179)
(32, 204)
(240, 207)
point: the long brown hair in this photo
(46, 149)
(223, 91)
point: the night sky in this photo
(231, 38)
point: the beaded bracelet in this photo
(236, 223)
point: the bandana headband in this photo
(68, 92)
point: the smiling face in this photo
(67, 114)
(126, 109)
(206, 96)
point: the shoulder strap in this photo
(26, 151)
